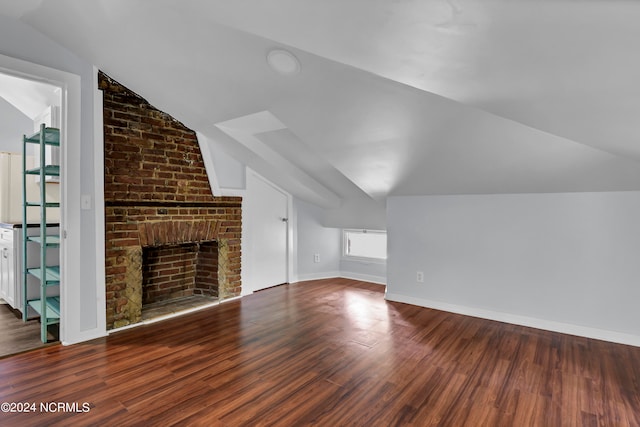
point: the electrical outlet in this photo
(316, 257)
(419, 277)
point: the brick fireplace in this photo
(167, 236)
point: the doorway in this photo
(266, 232)
(25, 104)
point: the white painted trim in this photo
(290, 229)
(291, 241)
(318, 276)
(359, 259)
(532, 322)
(363, 260)
(342, 274)
(98, 205)
(70, 218)
(88, 335)
(364, 277)
(70, 135)
(207, 158)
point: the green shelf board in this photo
(48, 204)
(50, 240)
(52, 274)
(53, 308)
(51, 137)
(50, 170)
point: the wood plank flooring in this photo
(15, 335)
(328, 353)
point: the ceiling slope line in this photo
(244, 129)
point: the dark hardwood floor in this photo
(15, 335)
(329, 353)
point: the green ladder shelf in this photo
(48, 307)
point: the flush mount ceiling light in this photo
(283, 61)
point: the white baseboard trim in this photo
(532, 322)
(343, 274)
(364, 277)
(318, 276)
(85, 336)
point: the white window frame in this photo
(348, 257)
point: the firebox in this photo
(179, 271)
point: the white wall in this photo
(375, 272)
(357, 212)
(13, 125)
(86, 315)
(313, 238)
(566, 262)
(230, 173)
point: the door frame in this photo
(247, 230)
(70, 243)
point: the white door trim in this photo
(70, 247)
(290, 227)
(98, 205)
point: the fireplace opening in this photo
(176, 277)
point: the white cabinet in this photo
(7, 267)
(11, 266)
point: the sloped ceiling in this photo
(29, 97)
(405, 97)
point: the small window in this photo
(371, 244)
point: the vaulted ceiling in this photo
(29, 97)
(393, 97)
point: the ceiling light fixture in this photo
(283, 61)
